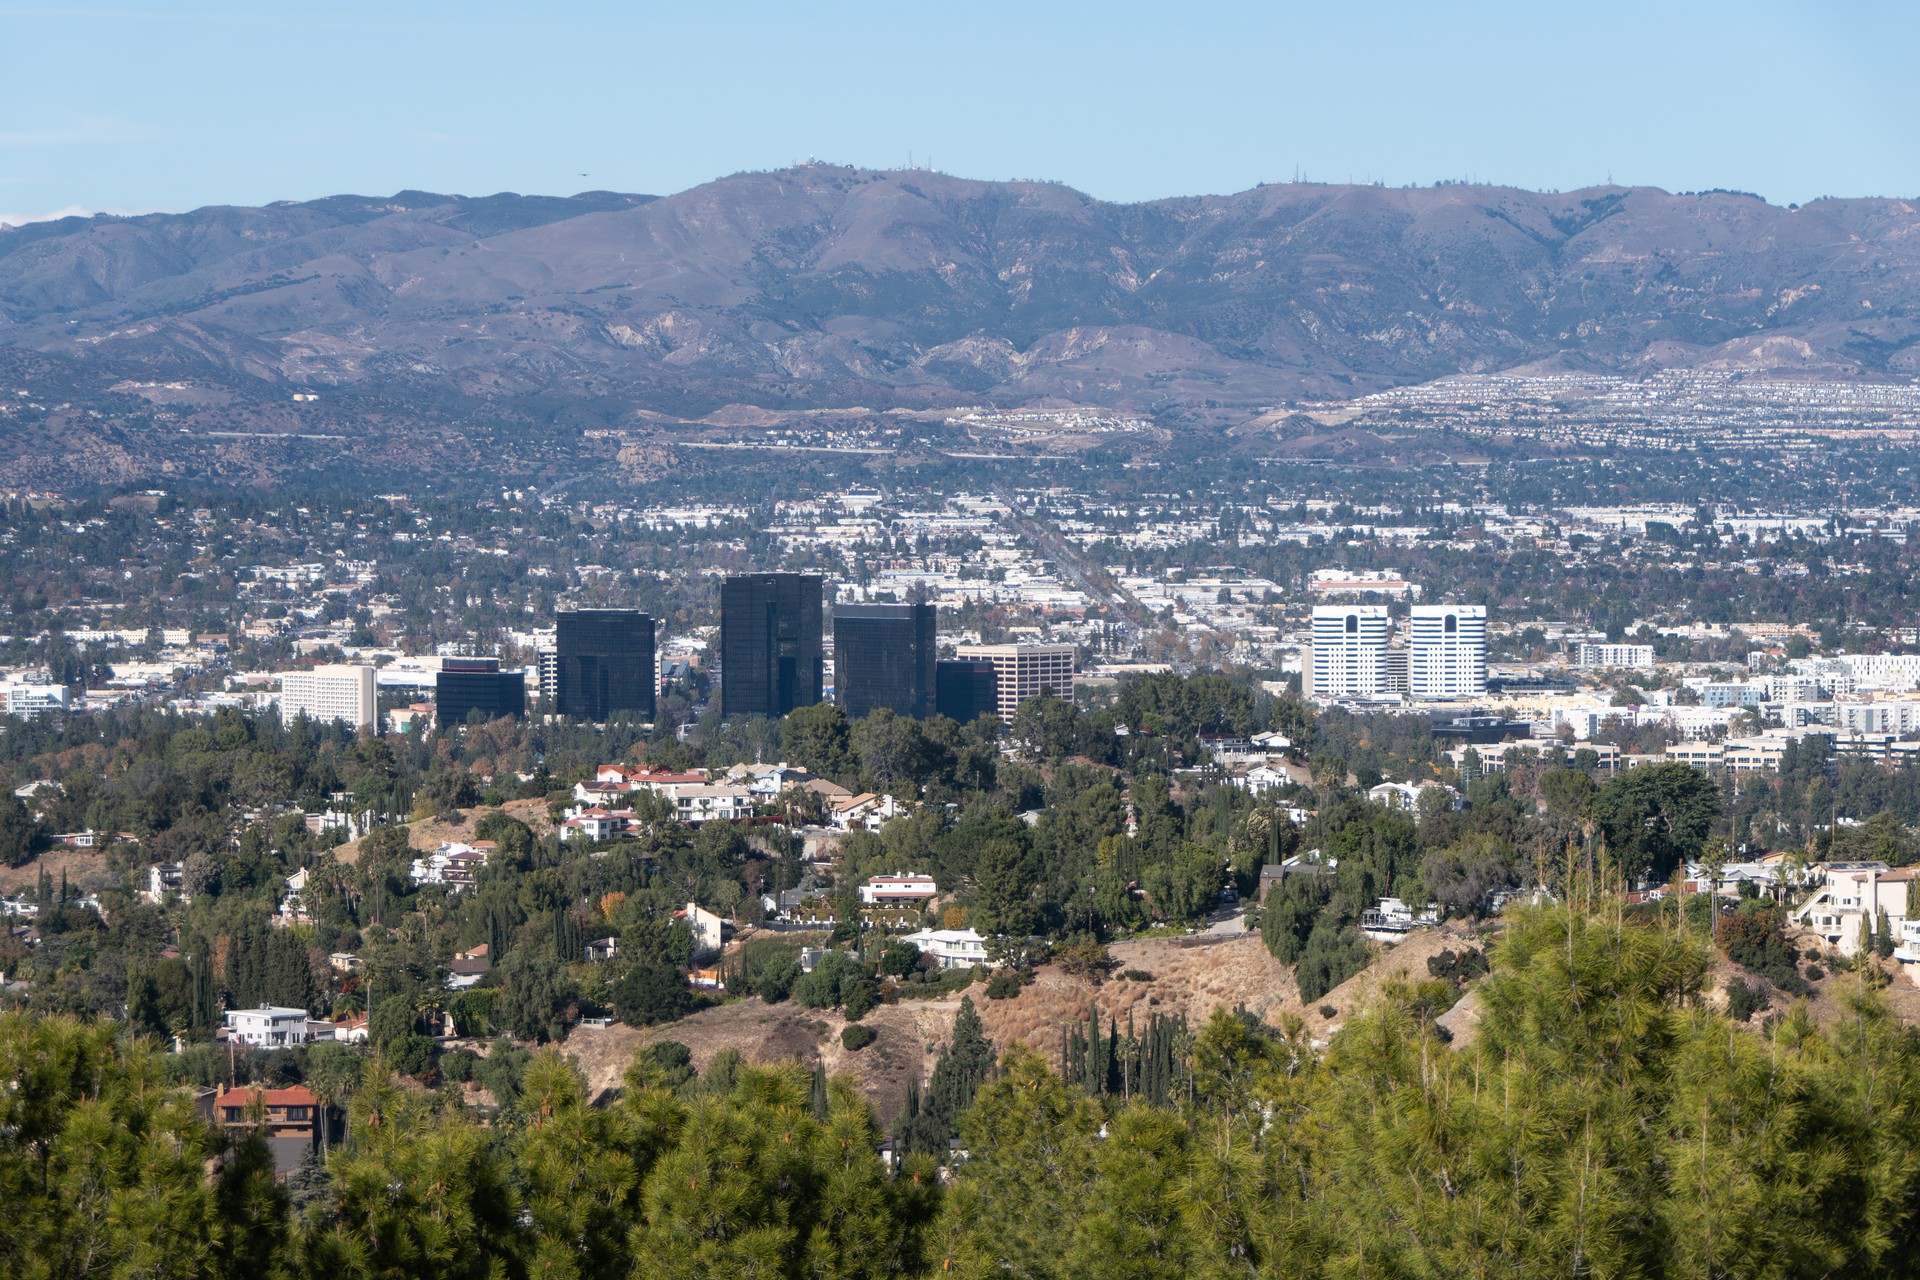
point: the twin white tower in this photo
(1445, 657)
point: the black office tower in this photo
(883, 656)
(965, 689)
(465, 685)
(603, 664)
(770, 655)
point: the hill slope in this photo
(823, 286)
(831, 278)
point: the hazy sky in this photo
(132, 106)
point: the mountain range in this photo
(820, 286)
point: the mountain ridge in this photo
(820, 286)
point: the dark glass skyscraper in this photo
(965, 689)
(770, 655)
(883, 656)
(465, 685)
(603, 663)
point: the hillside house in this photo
(290, 1119)
(163, 883)
(950, 948)
(710, 932)
(453, 864)
(864, 812)
(596, 824)
(268, 1027)
(1849, 892)
(898, 890)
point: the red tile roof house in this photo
(281, 1110)
(288, 1118)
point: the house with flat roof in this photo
(268, 1027)
(1851, 891)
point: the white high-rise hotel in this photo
(343, 693)
(1447, 651)
(1349, 658)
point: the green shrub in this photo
(1754, 937)
(1458, 969)
(459, 1065)
(1744, 1000)
(857, 1037)
(1004, 985)
(651, 992)
(899, 959)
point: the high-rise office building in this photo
(1447, 651)
(1023, 671)
(1349, 658)
(603, 664)
(883, 656)
(1397, 669)
(770, 654)
(965, 689)
(466, 685)
(342, 693)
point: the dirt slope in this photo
(1193, 977)
(908, 1035)
(430, 835)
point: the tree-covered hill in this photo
(1603, 1123)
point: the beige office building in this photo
(343, 693)
(1022, 671)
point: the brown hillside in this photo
(908, 1034)
(430, 835)
(1193, 977)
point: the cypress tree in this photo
(964, 1065)
(818, 1098)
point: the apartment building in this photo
(339, 693)
(1625, 657)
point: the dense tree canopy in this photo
(1603, 1122)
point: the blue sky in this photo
(132, 106)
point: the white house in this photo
(1395, 795)
(1263, 778)
(1406, 795)
(707, 802)
(898, 890)
(293, 907)
(269, 1026)
(709, 930)
(453, 864)
(1391, 920)
(1853, 890)
(951, 948)
(865, 811)
(595, 824)
(164, 880)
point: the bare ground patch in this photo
(907, 1035)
